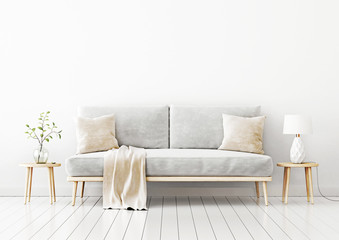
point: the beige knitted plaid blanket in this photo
(124, 183)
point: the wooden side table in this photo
(29, 177)
(308, 176)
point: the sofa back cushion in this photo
(145, 127)
(202, 127)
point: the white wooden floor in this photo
(170, 218)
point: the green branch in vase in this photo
(44, 131)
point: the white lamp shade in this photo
(297, 124)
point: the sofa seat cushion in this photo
(181, 162)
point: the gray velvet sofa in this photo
(181, 143)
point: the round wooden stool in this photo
(308, 176)
(29, 177)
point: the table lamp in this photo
(297, 124)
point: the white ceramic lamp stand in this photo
(297, 124)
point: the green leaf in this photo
(40, 128)
(47, 124)
(41, 135)
(59, 136)
(27, 125)
(33, 129)
(51, 137)
(48, 112)
(60, 131)
(26, 132)
(39, 118)
(47, 139)
(53, 123)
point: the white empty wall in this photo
(56, 55)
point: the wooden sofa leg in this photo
(75, 186)
(82, 189)
(264, 184)
(257, 189)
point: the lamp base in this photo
(297, 153)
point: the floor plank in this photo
(53, 225)
(35, 226)
(6, 199)
(237, 227)
(104, 223)
(22, 217)
(137, 224)
(271, 227)
(202, 223)
(185, 219)
(169, 228)
(219, 225)
(171, 218)
(8, 204)
(153, 223)
(120, 225)
(85, 227)
(286, 225)
(315, 218)
(325, 206)
(66, 229)
(256, 230)
(17, 207)
(285, 209)
(27, 220)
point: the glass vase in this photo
(40, 155)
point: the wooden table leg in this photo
(82, 189)
(30, 184)
(284, 185)
(52, 170)
(310, 184)
(288, 173)
(307, 184)
(50, 184)
(27, 183)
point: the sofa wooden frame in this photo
(264, 181)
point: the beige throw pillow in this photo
(96, 134)
(243, 134)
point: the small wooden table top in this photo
(29, 177)
(40, 165)
(308, 178)
(298, 165)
